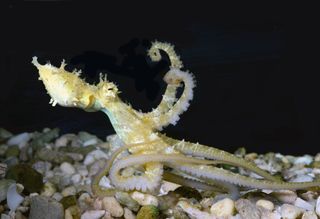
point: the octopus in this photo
(148, 156)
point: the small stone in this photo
(290, 211)
(57, 196)
(302, 178)
(309, 215)
(82, 170)
(148, 212)
(247, 209)
(128, 214)
(42, 166)
(144, 199)
(76, 178)
(265, 204)
(4, 134)
(166, 187)
(191, 210)
(111, 205)
(44, 207)
(303, 204)
(28, 177)
(105, 182)
(13, 151)
(286, 196)
(67, 168)
(64, 140)
(20, 139)
(251, 156)
(93, 156)
(318, 206)
(48, 189)
(93, 214)
(223, 208)
(68, 201)
(85, 201)
(126, 200)
(4, 185)
(270, 215)
(306, 160)
(70, 190)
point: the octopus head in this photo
(66, 88)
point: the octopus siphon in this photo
(150, 155)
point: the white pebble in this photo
(57, 196)
(105, 182)
(166, 187)
(265, 204)
(14, 199)
(285, 196)
(67, 168)
(223, 208)
(306, 159)
(82, 170)
(111, 205)
(303, 204)
(94, 214)
(270, 215)
(128, 214)
(193, 212)
(302, 178)
(290, 211)
(76, 178)
(70, 190)
(20, 139)
(93, 156)
(318, 206)
(144, 199)
(309, 215)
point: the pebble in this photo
(111, 205)
(144, 199)
(289, 211)
(303, 204)
(265, 204)
(128, 214)
(318, 206)
(57, 196)
(70, 190)
(76, 178)
(223, 208)
(306, 160)
(125, 199)
(67, 168)
(286, 196)
(93, 156)
(93, 214)
(48, 189)
(302, 178)
(105, 182)
(42, 166)
(194, 212)
(44, 207)
(20, 139)
(166, 187)
(247, 209)
(309, 215)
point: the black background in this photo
(255, 67)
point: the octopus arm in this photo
(214, 173)
(220, 156)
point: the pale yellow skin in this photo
(149, 149)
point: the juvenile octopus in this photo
(154, 156)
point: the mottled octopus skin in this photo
(192, 164)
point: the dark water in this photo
(256, 75)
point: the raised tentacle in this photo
(220, 156)
(210, 172)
